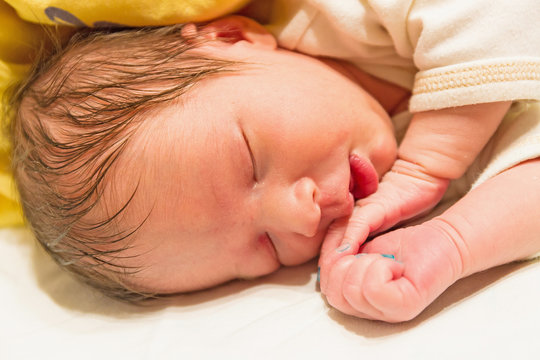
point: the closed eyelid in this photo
(253, 162)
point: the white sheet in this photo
(45, 314)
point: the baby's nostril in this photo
(316, 195)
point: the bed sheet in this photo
(46, 314)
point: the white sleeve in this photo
(471, 52)
(448, 52)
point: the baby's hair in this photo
(72, 119)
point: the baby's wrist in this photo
(418, 171)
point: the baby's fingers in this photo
(335, 282)
(334, 236)
(364, 220)
(379, 289)
(355, 281)
(372, 286)
(333, 249)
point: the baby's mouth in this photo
(364, 179)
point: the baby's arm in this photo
(493, 224)
(438, 147)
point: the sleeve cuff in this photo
(476, 82)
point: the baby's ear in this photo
(236, 28)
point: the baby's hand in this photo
(403, 193)
(439, 146)
(396, 275)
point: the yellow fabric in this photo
(22, 30)
(17, 39)
(125, 12)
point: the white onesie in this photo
(448, 53)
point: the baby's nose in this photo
(293, 208)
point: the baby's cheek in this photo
(256, 264)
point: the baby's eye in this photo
(252, 157)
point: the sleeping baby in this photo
(165, 160)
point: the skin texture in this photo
(494, 224)
(273, 149)
(249, 170)
(438, 147)
(434, 251)
(422, 172)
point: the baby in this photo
(170, 160)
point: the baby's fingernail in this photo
(344, 247)
(319, 274)
(389, 256)
(359, 255)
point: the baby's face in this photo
(248, 172)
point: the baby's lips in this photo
(364, 178)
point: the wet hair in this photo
(72, 119)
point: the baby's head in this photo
(173, 159)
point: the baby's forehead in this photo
(170, 159)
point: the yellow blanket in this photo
(22, 30)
